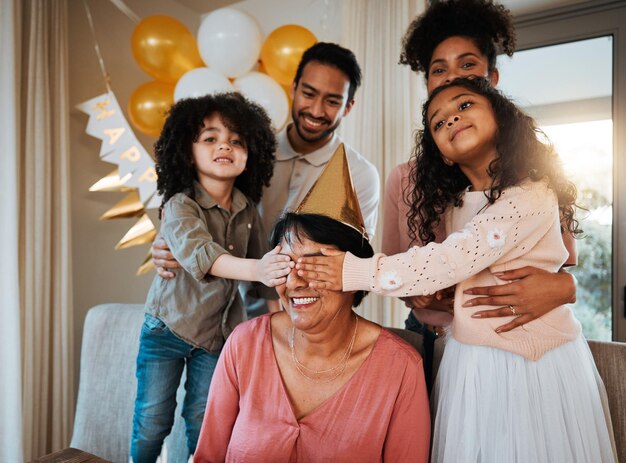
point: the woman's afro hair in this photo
(488, 23)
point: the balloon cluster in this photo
(228, 47)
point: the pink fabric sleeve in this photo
(513, 224)
(391, 243)
(410, 413)
(222, 409)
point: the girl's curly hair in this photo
(173, 149)
(490, 25)
(520, 154)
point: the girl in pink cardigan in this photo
(531, 394)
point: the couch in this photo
(107, 386)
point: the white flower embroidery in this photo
(390, 280)
(496, 238)
(463, 234)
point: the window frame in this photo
(585, 21)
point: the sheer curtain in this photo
(387, 108)
(37, 342)
(10, 370)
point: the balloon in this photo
(287, 89)
(229, 41)
(264, 91)
(148, 106)
(164, 48)
(199, 82)
(282, 51)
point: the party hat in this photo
(333, 194)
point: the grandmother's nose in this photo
(294, 280)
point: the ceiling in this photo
(517, 7)
(521, 7)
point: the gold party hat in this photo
(333, 194)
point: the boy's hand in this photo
(324, 272)
(273, 268)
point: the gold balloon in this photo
(282, 51)
(287, 89)
(148, 106)
(164, 48)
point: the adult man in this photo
(323, 93)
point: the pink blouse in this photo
(380, 414)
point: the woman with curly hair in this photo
(214, 156)
(461, 38)
(529, 394)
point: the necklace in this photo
(339, 368)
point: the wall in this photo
(102, 274)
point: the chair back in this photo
(107, 386)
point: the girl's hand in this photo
(273, 268)
(532, 292)
(324, 272)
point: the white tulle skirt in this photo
(492, 406)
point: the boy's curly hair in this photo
(490, 25)
(520, 154)
(174, 167)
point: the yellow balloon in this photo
(148, 106)
(164, 48)
(282, 51)
(287, 89)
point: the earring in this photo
(447, 161)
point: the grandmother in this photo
(316, 382)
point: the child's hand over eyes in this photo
(273, 268)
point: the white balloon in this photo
(266, 92)
(229, 41)
(199, 82)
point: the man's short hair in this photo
(336, 56)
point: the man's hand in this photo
(435, 310)
(163, 259)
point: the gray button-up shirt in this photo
(197, 307)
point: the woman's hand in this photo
(162, 258)
(273, 268)
(323, 272)
(530, 293)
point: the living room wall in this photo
(101, 274)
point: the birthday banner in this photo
(121, 147)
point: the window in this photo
(587, 124)
(572, 105)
